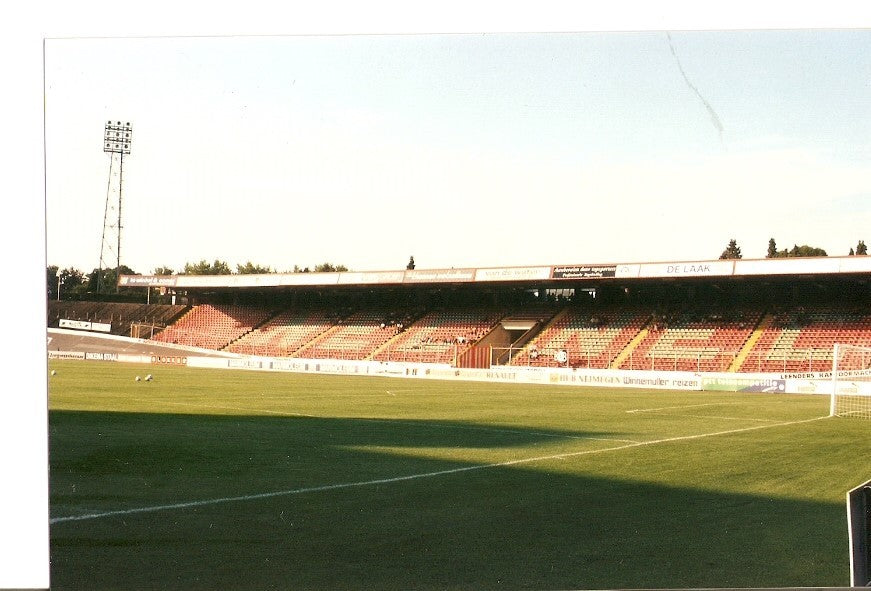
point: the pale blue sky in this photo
(461, 149)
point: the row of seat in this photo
(440, 336)
(118, 315)
(583, 339)
(637, 338)
(213, 326)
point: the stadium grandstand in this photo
(727, 316)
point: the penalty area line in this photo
(409, 477)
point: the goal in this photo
(851, 381)
(859, 532)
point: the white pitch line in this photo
(339, 486)
(637, 410)
(723, 418)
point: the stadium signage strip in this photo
(84, 325)
(718, 268)
(691, 269)
(585, 271)
(513, 274)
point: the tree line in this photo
(71, 283)
(733, 251)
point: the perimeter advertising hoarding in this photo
(584, 271)
(717, 268)
(371, 277)
(513, 274)
(147, 281)
(84, 325)
(440, 276)
(309, 279)
(736, 384)
(688, 269)
(788, 266)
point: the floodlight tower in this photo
(116, 142)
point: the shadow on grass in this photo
(511, 527)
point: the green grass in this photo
(509, 486)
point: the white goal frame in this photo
(851, 381)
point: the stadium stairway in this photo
(324, 335)
(384, 346)
(750, 344)
(625, 353)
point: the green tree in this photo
(204, 268)
(733, 251)
(410, 266)
(250, 268)
(796, 251)
(329, 268)
(51, 281)
(807, 251)
(72, 281)
(162, 271)
(106, 281)
(772, 249)
(861, 248)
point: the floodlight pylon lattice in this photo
(117, 140)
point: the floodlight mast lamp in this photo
(117, 139)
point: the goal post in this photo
(859, 531)
(851, 381)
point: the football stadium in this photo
(639, 425)
(562, 393)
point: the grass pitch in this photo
(207, 479)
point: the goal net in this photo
(851, 381)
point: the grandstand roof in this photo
(551, 274)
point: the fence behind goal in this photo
(851, 381)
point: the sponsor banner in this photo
(126, 358)
(628, 379)
(743, 384)
(855, 264)
(208, 362)
(340, 367)
(66, 355)
(169, 359)
(845, 387)
(309, 279)
(84, 325)
(788, 266)
(255, 280)
(627, 271)
(74, 324)
(690, 269)
(524, 375)
(827, 375)
(146, 281)
(371, 278)
(439, 276)
(809, 387)
(183, 281)
(584, 271)
(289, 365)
(240, 280)
(513, 274)
(244, 363)
(102, 356)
